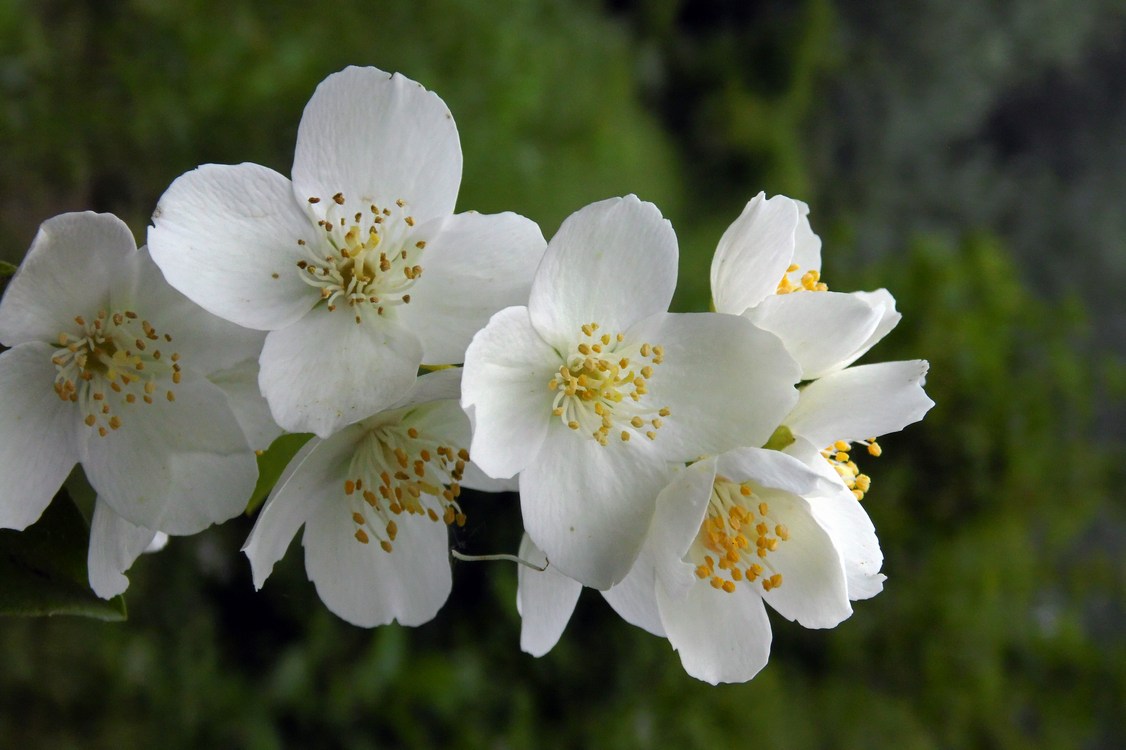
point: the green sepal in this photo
(43, 568)
(781, 439)
(271, 464)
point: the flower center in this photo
(111, 363)
(838, 457)
(396, 471)
(367, 260)
(723, 551)
(601, 388)
(810, 281)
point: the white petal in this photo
(73, 262)
(676, 522)
(38, 448)
(206, 342)
(725, 382)
(114, 545)
(478, 264)
(545, 601)
(754, 253)
(226, 236)
(680, 513)
(240, 384)
(770, 468)
(807, 245)
(882, 300)
(367, 586)
(613, 263)
(721, 637)
(813, 590)
(176, 467)
(588, 506)
(313, 477)
(848, 524)
(823, 331)
(326, 370)
(378, 138)
(861, 402)
(504, 392)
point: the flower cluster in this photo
(691, 466)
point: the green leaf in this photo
(7, 269)
(43, 568)
(272, 463)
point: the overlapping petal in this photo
(545, 600)
(588, 506)
(226, 237)
(505, 393)
(754, 253)
(115, 544)
(38, 449)
(475, 265)
(613, 263)
(326, 371)
(174, 466)
(861, 402)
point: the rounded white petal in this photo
(754, 253)
(177, 466)
(721, 637)
(226, 237)
(613, 263)
(680, 514)
(69, 270)
(770, 468)
(38, 448)
(206, 342)
(588, 506)
(367, 586)
(844, 518)
(378, 138)
(114, 545)
(882, 300)
(861, 402)
(476, 265)
(823, 331)
(240, 384)
(326, 370)
(807, 245)
(312, 478)
(813, 590)
(726, 383)
(504, 391)
(545, 601)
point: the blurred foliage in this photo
(910, 130)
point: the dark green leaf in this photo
(43, 568)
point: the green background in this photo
(970, 157)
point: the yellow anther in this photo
(362, 537)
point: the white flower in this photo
(764, 267)
(593, 393)
(729, 534)
(767, 268)
(359, 269)
(375, 500)
(109, 367)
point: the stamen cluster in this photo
(395, 471)
(601, 387)
(368, 260)
(111, 355)
(733, 519)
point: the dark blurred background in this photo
(971, 157)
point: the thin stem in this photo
(501, 556)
